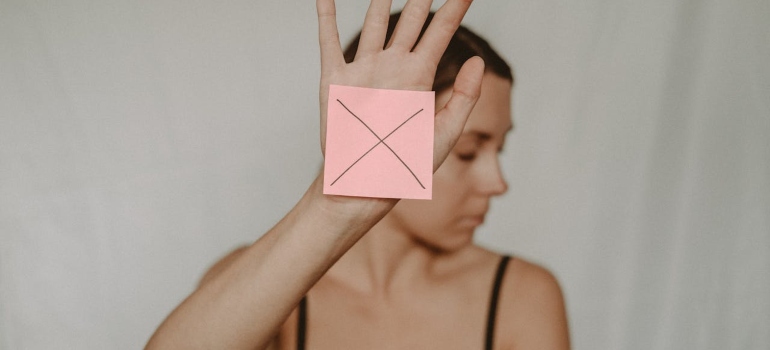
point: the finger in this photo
(442, 28)
(375, 28)
(328, 37)
(410, 24)
(451, 119)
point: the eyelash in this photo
(467, 157)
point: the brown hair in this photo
(463, 45)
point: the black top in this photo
(491, 316)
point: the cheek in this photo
(450, 182)
(435, 214)
(448, 189)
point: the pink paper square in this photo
(379, 143)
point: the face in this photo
(466, 182)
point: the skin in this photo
(417, 271)
(245, 305)
(249, 299)
(469, 178)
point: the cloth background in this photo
(142, 140)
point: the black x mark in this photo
(382, 141)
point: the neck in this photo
(385, 260)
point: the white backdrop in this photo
(142, 140)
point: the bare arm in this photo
(244, 304)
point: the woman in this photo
(414, 280)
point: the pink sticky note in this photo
(379, 143)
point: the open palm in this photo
(399, 67)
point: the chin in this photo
(451, 242)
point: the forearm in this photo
(244, 306)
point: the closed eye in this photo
(467, 157)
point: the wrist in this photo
(351, 210)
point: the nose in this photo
(492, 182)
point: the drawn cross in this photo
(382, 141)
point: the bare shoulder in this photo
(532, 313)
(532, 281)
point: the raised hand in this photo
(398, 66)
(244, 305)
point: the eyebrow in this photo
(481, 136)
(484, 136)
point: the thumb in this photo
(450, 120)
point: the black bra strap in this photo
(490, 336)
(302, 323)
